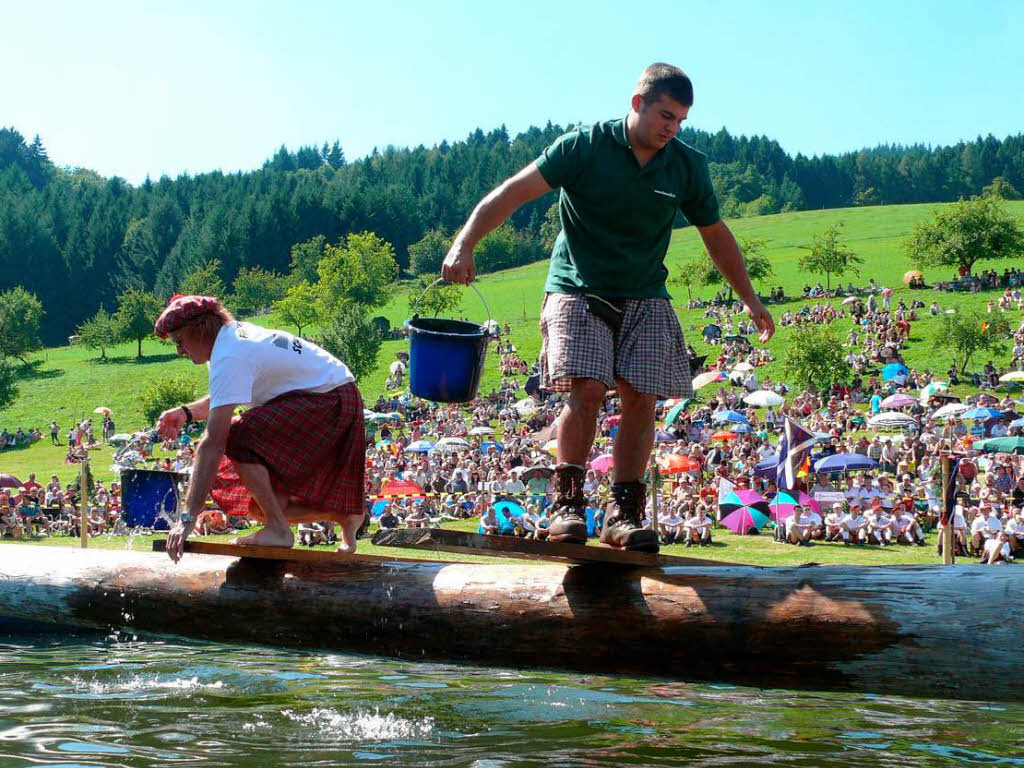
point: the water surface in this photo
(74, 698)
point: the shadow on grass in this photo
(132, 359)
(33, 372)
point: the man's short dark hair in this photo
(662, 79)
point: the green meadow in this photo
(68, 383)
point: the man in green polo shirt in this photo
(607, 320)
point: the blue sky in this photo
(137, 88)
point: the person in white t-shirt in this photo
(798, 531)
(984, 526)
(908, 529)
(834, 523)
(855, 525)
(815, 523)
(698, 527)
(296, 455)
(879, 526)
(959, 523)
(997, 550)
(670, 526)
(1015, 532)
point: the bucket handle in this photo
(415, 307)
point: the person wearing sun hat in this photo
(296, 455)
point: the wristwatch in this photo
(186, 517)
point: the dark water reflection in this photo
(83, 699)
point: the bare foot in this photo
(348, 529)
(268, 537)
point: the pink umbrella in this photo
(9, 481)
(613, 420)
(782, 505)
(744, 510)
(602, 463)
(899, 400)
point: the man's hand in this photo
(762, 319)
(170, 423)
(176, 539)
(459, 265)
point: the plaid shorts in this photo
(313, 446)
(648, 352)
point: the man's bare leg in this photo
(276, 531)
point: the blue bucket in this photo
(446, 357)
(149, 498)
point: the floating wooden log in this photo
(467, 543)
(948, 632)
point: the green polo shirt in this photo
(617, 216)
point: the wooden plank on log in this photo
(281, 553)
(464, 542)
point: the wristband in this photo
(188, 414)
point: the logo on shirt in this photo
(663, 193)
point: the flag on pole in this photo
(795, 442)
(725, 487)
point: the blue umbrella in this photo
(1017, 423)
(980, 414)
(741, 428)
(845, 462)
(892, 370)
(484, 447)
(733, 416)
(420, 446)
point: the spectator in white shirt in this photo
(855, 526)
(698, 527)
(959, 523)
(1015, 531)
(671, 526)
(908, 529)
(879, 526)
(997, 550)
(834, 523)
(798, 531)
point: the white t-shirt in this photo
(853, 522)
(253, 365)
(992, 546)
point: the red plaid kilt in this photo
(312, 444)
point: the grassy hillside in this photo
(67, 383)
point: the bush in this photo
(167, 393)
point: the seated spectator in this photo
(798, 531)
(855, 525)
(697, 527)
(671, 527)
(907, 528)
(834, 523)
(1015, 531)
(418, 518)
(997, 550)
(879, 525)
(388, 519)
(490, 523)
(959, 523)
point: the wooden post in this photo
(83, 501)
(655, 487)
(948, 539)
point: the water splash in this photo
(362, 725)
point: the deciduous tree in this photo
(967, 333)
(136, 313)
(20, 316)
(964, 233)
(99, 332)
(298, 306)
(828, 256)
(815, 357)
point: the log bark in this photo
(949, 632)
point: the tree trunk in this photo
(139, 354)
(898, 630)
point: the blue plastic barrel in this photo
(149, 498)
(446, 357)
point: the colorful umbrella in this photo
(981, 414)
(734, 416)
(400, 488)
(451, 444)
(613, 420)
(911, 275)
(782, 505)
(930, 389)
(741, 428)
(724, 434)
(551, 446)
(674, 413)
(1001, 445)
(763, 398)
(845, 462)
(743, 511)
(602, 463)
(537, 470)
(899, 400)
(9, 481)
(420, 446)
(674, 463)
(892, 370)
(707, 378)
